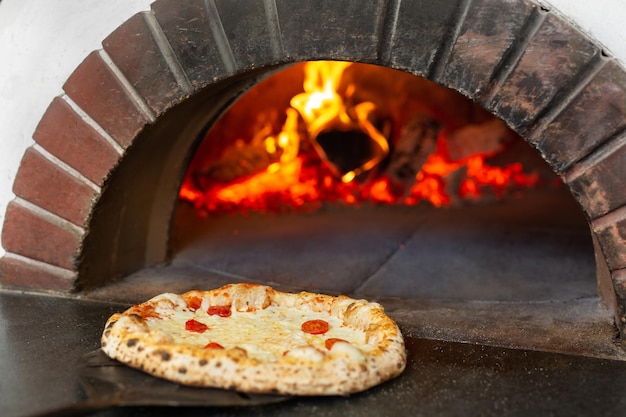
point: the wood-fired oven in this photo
(97, 216)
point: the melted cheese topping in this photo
(265, 334)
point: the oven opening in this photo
(358, 179)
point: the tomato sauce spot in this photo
(213, 345)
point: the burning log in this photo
(239, 160)
(486, 138)
(263, 152)
(417, 140)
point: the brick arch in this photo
(543, 77)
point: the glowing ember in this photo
(300, 174)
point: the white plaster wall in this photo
(603, 20)
(43, 41)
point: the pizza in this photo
(252, 338)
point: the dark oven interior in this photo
(510, 294)
(520, 240)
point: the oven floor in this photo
(532, 249)
(43, 340)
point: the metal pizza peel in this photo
(109, 383)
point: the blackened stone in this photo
(329, 29)
(550, 62)
(253, 37)
(421, 29)
(489, 29)
(611, 239)
(601, 189)
(619, 280)
(187, 27)
(596, 114)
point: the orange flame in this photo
(298, 179)
(320, 104)
(322, 108)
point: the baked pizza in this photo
(252, 338)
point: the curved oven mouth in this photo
(378, 233)
(490, 261)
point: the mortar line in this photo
(65, 167)
(93, 124)
(56, 270)
(564, 98)
(273, 26)
(609, 219)
(131, 92)
(52, 217)
(168, 53)
(388, 30)
(512, 56)
(596, 156)
(219, 36)
(444, 52)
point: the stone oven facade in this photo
(95, 194)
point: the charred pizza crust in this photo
(304, 369)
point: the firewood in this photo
(416, 141)
(240, 160)
(486, 138)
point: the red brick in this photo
(96, 90)
(46, 185)
(67, 136)
(143, 64)
(33, 236)
(16, 273)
